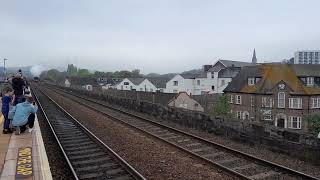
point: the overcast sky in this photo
(154, 35)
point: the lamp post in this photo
(4, 68)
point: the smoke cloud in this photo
(36, 70)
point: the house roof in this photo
(229, 63)
(306, 69)
(228, 72)
(136, 81)
(189, 76)
(159, 82)
(271, 75)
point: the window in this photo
(198, 82)
(238, 99)
(239, 114)
(252, 101)
(294, 122)
(231, 99)
(212, 87)
(315, 102)
(175, 83)
(310, 81)
(266, 102)
(281, 100)
(223, 82)
(126, 83)
(268, 117)
(212, 75)
(251, 81)
(295, 103)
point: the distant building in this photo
(307, 57)
(183, 100)
(277, 94)
(67, 83)
(129, 84)
(213, 79)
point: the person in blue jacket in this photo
(7, 99)
(24, 114)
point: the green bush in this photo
(314, 121)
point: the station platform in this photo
(23, 156)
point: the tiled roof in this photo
(271, 75)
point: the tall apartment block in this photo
(307, 57)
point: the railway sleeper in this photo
(86, 156)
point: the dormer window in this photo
(253, 80)
(310, 81)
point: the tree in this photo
(314, 122)
(135, 73)
(222, 108)
(72, 70)
(83, 73)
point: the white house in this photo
(88, 87)
(129, 84)
(146, 86)
(181, 83)
(213, 79)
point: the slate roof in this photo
(306, 69)
(228, 73)
(271, 75)
(229, 63)
(136, 81)
(159, 82)
(189, 76)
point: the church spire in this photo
(254, 58)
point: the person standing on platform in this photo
(18, 85)
(7, 99)
(24, 114)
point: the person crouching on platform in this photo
(7, 99)
(24, 114)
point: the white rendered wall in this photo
(146, 86)
(121, 85)
(184, 85)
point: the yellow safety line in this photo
(1, 119)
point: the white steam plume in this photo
(36, 70)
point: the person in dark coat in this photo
(18, 85)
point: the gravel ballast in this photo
(152, 158)
(58, 166)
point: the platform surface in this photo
(23, 156)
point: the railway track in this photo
(237, 163)
(88, 157)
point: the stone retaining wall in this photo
(304, 146)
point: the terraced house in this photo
(278, 94)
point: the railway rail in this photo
(87, 156)
(239, 164)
